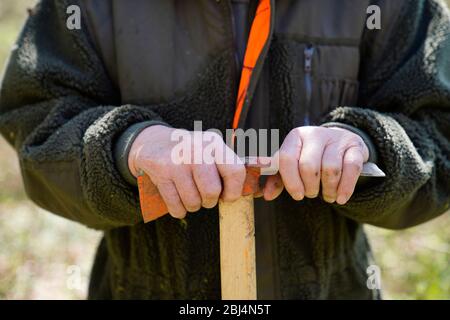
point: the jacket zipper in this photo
(308, 54)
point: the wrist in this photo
(373, 155)
(122, 148)
(140, 140)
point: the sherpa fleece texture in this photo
(62, 113)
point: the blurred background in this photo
(43, 256)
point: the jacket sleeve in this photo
(405, 109)
(61, 112)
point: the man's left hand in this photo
(317, 158)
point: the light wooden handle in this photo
(237, 249)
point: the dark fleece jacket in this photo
(63, 114)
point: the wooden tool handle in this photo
(237, 249)
(237, 234)
(153, 206)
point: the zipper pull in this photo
(308, 54)
(309, 51)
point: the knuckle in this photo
(354, 141)
(349, 136)
(357, 140)
(309, 169)
(295, 132)
(353, 165)
(168, 191)
(331, 171)
(285, 157)
(213, 137)
(156, 164)
(237, 172)
(211, 134)
(312, 131)
(217, 137)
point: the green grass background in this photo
(43, 256)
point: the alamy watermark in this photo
(253, 147)
(56, 275)
(373, 20)
(73, 21)
(373, 277)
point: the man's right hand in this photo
(187, 187)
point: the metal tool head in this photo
(370, 169)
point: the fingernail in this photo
(268, 197)
(299, 197)
(341, 199)
(268, 194)
(329, 200)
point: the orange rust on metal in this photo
(152, 205)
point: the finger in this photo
(288, 157)
(232, 171)
(351, 169)
(331, 171)
(188, 190)
(273, 187)
(310, 165)
(207, 180)
(233, 177)
(169, 194)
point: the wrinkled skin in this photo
(314, 157)
(309, 158)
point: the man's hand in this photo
(187, 187)
(314, 157)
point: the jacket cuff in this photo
(123, 146)
(373, 156)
